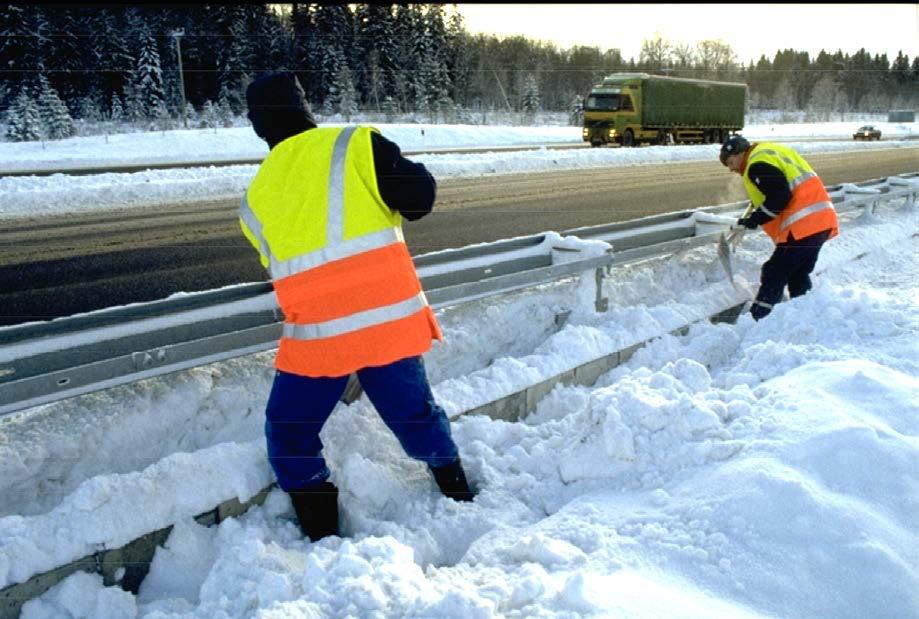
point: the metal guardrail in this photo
(45, 362)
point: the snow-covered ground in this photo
(761, 469)
(37, 195)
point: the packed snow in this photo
(22, 196)
(757, 469)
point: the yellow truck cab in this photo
(630, 108)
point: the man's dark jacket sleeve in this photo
(404, 185)
(770, 180)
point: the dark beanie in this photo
(733, 145)
(278, 107)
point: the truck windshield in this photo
(603, 102)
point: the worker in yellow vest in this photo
(324, 212)
(793, 207)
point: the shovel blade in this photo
(724, 255)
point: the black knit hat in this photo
(277, 107)
(733, 145)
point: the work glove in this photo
(747, 222)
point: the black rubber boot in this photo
(317, 510)
(451, 479)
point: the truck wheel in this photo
(628, 138)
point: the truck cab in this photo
(608, 110)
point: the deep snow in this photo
(752, 470)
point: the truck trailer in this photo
(631, 108)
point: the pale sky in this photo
(750, 29)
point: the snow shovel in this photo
(353, 390)
(729, 242)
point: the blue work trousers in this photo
(299, 406)
(790, 265)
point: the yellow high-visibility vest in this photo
(336, 255)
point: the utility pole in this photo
(503, 94)
(178, 36)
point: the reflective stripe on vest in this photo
(360, 320)
(336, 248)
(279, 269)
(804, 212)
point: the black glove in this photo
(747, 222)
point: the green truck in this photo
(631, 108)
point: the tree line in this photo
(117, 62)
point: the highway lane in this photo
(58, 266)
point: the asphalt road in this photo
(63, 265)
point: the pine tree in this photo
(405, 57)
(373, 60)
(117, 112)
(390, 108)
(210, 117)
(148, 77)
(444, 106)
(54, 114)
(530, 102)
(25, 44)
(23, 119)
(331, 63)
(163, 119)
(304, 49)
(134, 104)
(576, 112)
(423, 85)
(345, 99)
(333, 31)
(90, 109)
(191, 116)
(109, 48)
(234, 57)
(224, 112)
(269, 36)
(458, 55)
(436, 39)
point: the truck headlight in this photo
(612, 133)
(584, 132)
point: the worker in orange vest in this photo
(793, 207)
(324, 212)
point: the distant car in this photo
(868, 132)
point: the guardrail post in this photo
(601, 303)
(867, 205)
(897, 181)
(561, 254)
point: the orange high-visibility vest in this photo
(810, 209)
(341, 271)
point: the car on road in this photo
(867, 132)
